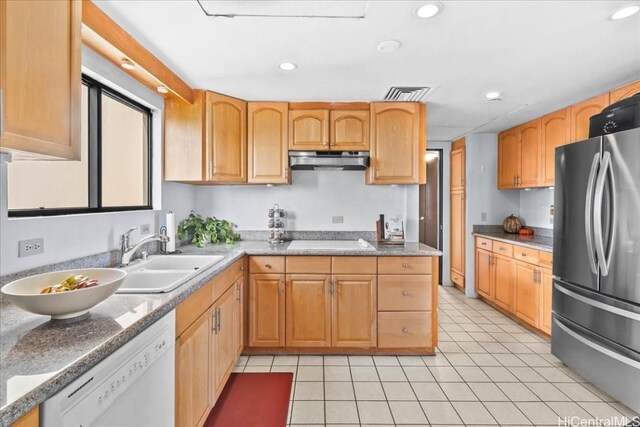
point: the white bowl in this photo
(25, 293)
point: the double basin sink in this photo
(164, 273)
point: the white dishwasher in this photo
(134, 386)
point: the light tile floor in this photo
(488, 371)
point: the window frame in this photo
(96, 90)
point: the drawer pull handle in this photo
(483, 243)
(267, 265)
(405, 265)
(405, 293)
(405, 330)
(241, 268)
(523, 254)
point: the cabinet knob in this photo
(267, 265)
(405, 265)
(405, 330)
(483, 244)
(405, 293)
(241, 268)
(523, 254)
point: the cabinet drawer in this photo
(308, 264)
(526, 254)
(266, 264)
(411, 329)
(404, 265)
(404, 293)
(483, 243)
(354, 265)
(503, 248)
(191, 308)
(546, 259)
(456, 278)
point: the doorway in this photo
(430, 202)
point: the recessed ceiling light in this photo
(625, 12)
(389, 46)
(492, 95)
(127, 64)
(429, 10)
(162, 89)
(288, 66)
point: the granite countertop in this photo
(38, 356)
(542, 243)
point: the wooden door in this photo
(354, 310)
(546, 300)
(308, 130)
(508, 159)
(226, 138)
(555, 132)
(624, 92)
(484, 273)
(268, 161)
(40, 78)
(349, 130)
(458, 169)
(527, 305)
(266, 310)
(223, 342)
(193, 372)
(457, 232)
(504, 281)
(530, 155)
(397, 144)
(308, 312)
(582, 112)
(238, 324)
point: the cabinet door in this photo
(308, 313)
(40, 78)
(624, 92)
(268, 151)
(527, 294)
(223, 342)
(508, 159)
(266, 310)
(308, 130)
(226, 138)
(349, 130)
(504, 278)
(556, 132)
(30, 419)
(193, 372)
(238, 324)
(397, 144)
(545, 303)
(457, 232)
(354, 311)
(184, 147)
(484, 274)
(582, 112)
(530, 155)
(457, 169)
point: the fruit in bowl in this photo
(64, 294)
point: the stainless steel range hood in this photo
(329, 160)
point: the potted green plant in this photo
(202, 231)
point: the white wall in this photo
(482, 195)
(535, 207)
(312, 200)
(72, 236)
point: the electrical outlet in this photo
(483, 216)
(551, 210)
(145, 229)
(337, 219)
(30, 247)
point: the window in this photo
(114, 170)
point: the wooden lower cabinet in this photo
(457, 236)
(30, 419)
(527, 300)
(483, 273)
(504, 281)
(404, 329)
(239, 312)
(308, 310)
(224, 346)
(354, 309)
(266, 310)
(546, 293)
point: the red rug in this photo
(253, 399)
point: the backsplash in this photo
(535, 207)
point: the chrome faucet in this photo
(127, 250)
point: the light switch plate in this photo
(30, 247)
(145, 229)
(483, 216)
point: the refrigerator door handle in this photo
(588, 214)
(598, 232)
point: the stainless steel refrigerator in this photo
(596, 262)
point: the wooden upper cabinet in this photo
(184, 154)
(226, 138)
(582, 112)
(354, 310)
(530, 154)
(624, 92)
(398, 143)
(309, 130)
(349, 130)
(308, 312)
(508, 158)
(40, 78)
(555, 132)
(268, 124)
(457, 169)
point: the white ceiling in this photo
(541, 55)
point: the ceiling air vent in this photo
(408, 93)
